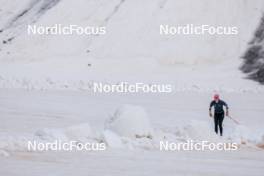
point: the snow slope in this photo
(132, 50)
(132, 37)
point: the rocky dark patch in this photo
(253, 64)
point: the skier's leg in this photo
(216, 123)
(221, 118)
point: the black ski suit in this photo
(219, 114)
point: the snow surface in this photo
(46, 83)
(46, 116)
(81, 115)
(130, 127)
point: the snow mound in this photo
(81, 132)
(130, 128)
(19, 142)
(51, 134)
(243, 135)
(204, 131)
(14, 142)
(4, 153)
(130, 121)
(112, 140)
(199, 130)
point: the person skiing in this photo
(219, 113)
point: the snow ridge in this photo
(129, 128)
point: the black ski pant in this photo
(218, 122)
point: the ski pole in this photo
(234, 120)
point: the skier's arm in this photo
(210, 107)
(227, 109)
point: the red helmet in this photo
(216, 97)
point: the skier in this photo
(219, 113)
